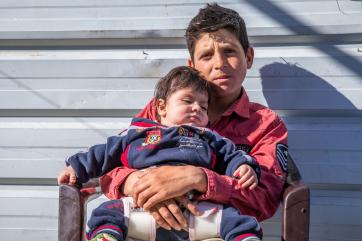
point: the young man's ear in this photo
(190, 63)
(161, 107)
(249, 57)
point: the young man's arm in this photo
(263, 201)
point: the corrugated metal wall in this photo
(74, 72)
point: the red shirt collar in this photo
(240, 106)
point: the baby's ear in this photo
(161, 107)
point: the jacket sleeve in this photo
(98, 159)
(229, 157)
(263, 201)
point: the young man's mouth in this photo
(222, 77)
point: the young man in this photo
(181, 101)
(219, 48)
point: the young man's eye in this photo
(229, 51)
(205, 56)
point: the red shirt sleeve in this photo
(263, 201)
(113, 180)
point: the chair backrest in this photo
(293, 172)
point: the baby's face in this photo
(185, 107)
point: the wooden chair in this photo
(295, 208)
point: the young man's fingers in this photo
(159, 219)
(185, 202)
(144, 197)
(168, 217)
(147, 194)
(154, 196)
(176, 212)
(140, 193)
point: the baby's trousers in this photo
(119, 219)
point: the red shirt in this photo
(257, 130)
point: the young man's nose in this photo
(219, 60)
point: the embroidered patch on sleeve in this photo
(282, 155)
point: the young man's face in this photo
(220, 58)
(184, 107)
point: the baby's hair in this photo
(180, 78)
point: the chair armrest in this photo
(296, 209)
(70, 213)
(72, 209)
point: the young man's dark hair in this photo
(179, 78)
(212, 18)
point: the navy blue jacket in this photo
(147, 143)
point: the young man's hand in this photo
(168, 214)
(247, 176)
(165, 182)
(67, 176)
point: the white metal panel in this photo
(38, 19)
(307, 77)
(29, 212)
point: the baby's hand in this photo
(67, 176)
(247, 175)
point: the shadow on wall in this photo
(303, 94)
(290, 87)
(294, 25)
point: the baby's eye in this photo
(187, 101)
(204, 108)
